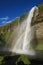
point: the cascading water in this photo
(25, 35)
(28, 31)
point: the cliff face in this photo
(39, 21)
(7, 29)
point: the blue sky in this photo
(10, 9)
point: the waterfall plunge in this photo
(29, 30)
(22, 42)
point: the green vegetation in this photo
(1, 58)
(40, 6)
(6, 31)
(24, 59)
(40, 44)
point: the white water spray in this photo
(29, 31)
(25, 35)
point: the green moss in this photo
(25, 59)
(7, 35)
(40, 6)
(40, 44)
(1, 58)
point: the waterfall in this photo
(28, 31)
(21, 44)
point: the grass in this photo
(40, 47)
(40, 44)
(1, 58)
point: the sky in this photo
(11, 9)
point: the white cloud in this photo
(4, 18)
(8, 22)
(17, 17)
(3, 21)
